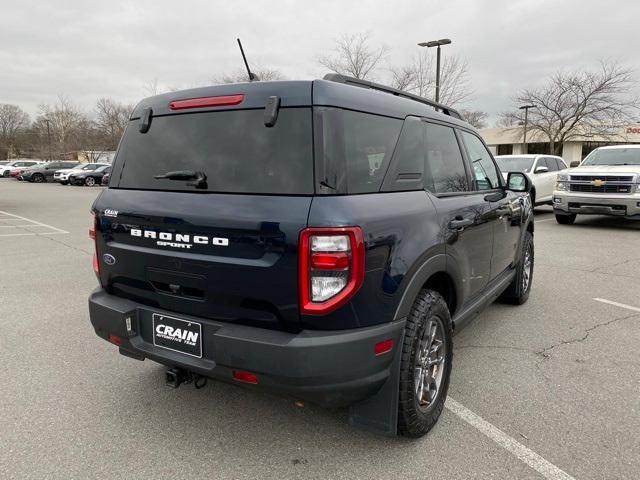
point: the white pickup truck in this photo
(607, 182)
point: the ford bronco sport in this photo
(322, 238)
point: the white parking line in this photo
(10, 217)
(621, 305)
(532, 459)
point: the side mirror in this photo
(518, 182)
(541, 170)
(574, 164)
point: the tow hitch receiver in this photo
(175, 377)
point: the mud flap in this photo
(379, 413)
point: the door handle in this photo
(460, 223)
(504, 211)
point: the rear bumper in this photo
(330, 368)
(623, 205)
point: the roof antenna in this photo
(252, 76)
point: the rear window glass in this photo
(234, 149)
(353, 150)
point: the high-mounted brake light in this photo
(203, 102)
(330, 267)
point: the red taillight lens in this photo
(245, 377)
(92, 235)
(115, 339)
(329, 261)
(331, 268)
(203, 102)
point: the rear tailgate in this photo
(231, 258)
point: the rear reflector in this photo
(245, 377)
(115, 339)
(383, 346)
(203, 102)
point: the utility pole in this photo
(48, 122)
(526, 121)
(436, 43)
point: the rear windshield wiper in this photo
(185, 175)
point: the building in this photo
(509, 141)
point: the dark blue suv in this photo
(318, 238)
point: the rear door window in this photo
(445, 172)
(353, 149)
(234, 149)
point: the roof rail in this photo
(336, 77)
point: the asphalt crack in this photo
(543, 353)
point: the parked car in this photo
(607, 182)
(105, 179)
(62, 176)
(5, 170)
(89, 177)
(542, 170)
(44, 172)
(318, 238)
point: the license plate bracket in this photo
(178, 335)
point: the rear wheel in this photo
(63, 182)
(37, 178)
(89, 181)
(425, 368)
(565, 219)
(518, 291)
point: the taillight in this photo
(93, 235)
(331, 267)
(202, 102)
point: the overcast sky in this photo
(90, 49)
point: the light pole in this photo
(48, 122)
(436, 43)
(526, 120)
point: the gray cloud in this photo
(88, 49)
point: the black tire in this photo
(518, 290)
(429, 309)
(6, 174)
(37, 178)
(62, 182)
(565, 219)
(89, 181)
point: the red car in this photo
(16, 173)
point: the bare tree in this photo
(111, 119)
(152, 87)
(264, 74)
(579, 103)
(68, 125)
(354, 56)
(477, 118)
(419, 77)
(13, 120)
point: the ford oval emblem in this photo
(108, 259)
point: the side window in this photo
(485, 173)
(407, 165)
(353, 149)
(551, 164)
(445, 172)
(560, 163)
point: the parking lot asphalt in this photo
(558, 378)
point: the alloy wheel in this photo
(429, 368)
